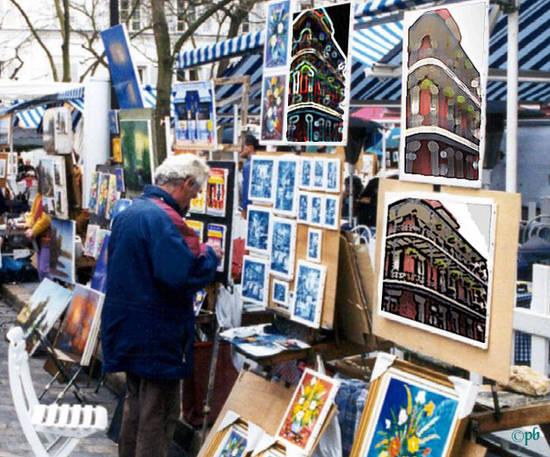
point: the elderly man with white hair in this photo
(156, 264)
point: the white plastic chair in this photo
(61, 426)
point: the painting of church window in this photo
(443, 98)
(280, 294)
(255, 280)
(307, 411)
(303, 207)
(319, 76)
(276, 46)
(306, 167)
(195, 115)
(273, 108)
(437, 256)
(283, 247)
(319, 173)
(333, 174)
(316, 209)
(262, 174)
(257, 229)
(286, 186)
(314, 245)
(331, 212)
(309, 290)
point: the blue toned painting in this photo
(303, 200)
(314, 245)
(257, 230)
(254, 280)
(332, 175)
(62, 250)
(319, 174)
(285, 189)
(306, 173)
(414, 421)
(261, 179)
(277, 34)
(307, 288)
(316, 206)
(331, 206)
(282, 249)
(123, 70)
(234, 446)
(99, 279)
(280, 291)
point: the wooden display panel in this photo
(493, 362)
(329, 252)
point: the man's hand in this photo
(216, 248)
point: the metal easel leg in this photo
(211, 379)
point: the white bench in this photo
(60, 426)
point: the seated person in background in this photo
(38, 229)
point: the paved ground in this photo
(12, 440)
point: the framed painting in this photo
(272, 117)
(280, 294)
(282, 247)
(314, 245)
(331, 212)
(215, 233)
(255, 280)
(231, 441)
(319, 70)
(307, 411)
(216, 192)
(318, 177)
(277, 41)
(262, 179)
(197, 227)
(411, 412)
(257, 229)
(303, 208)
(316, 208)
(63, 131)
(61, 202)
(42, 311)
(437, 253)
(306, 167)
(195, 115)
(79, 329)
(309, 291)
(62, 250)
(333, 175)
(286, 186)
(6, 131)
(443, 94)
(46, 181)
(138, 155)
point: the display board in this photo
(443, 93)
(213, 217)
(492, 361)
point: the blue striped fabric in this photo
(375, 7)
(30, 118)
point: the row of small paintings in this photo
(305, 303)
(212, 199)
(214, 233)
(319, 210)
(276, 180)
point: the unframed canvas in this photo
(255, 280)
(314, 245)
(262, 179)
(309, 291)
(257, 229)
(286, 186)
(282, 247)
(280, 294)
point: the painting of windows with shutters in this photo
(438, 255)
(443, 94)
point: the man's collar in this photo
(150, 191)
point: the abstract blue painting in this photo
(316, 208)
(254, 280)
(303, 208)
(277, 34)
(262, 171)
(319, 174)
(305, 175)
(280, 293)
(283, 247)
(314, 242)
(333, 175)
(309, 291)
(257, 228)
(414, 419)
(286, 186)
(331, 212)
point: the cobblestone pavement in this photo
(12, 440)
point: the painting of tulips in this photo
(307, 410)
(411, 417)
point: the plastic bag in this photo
(228, 308)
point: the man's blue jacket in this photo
(147, 323)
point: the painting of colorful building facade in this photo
(437, 264)
(319, 67)
(443, 96)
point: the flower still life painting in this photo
(277, 32)
(412, 417)
(234, 445)
(307, 410)
(273, 106)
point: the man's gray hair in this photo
(181, 166)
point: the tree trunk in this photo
(164, 75)
(66, 46)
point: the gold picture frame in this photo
(231, 441)
(411, 411)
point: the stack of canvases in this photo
(287, 191)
